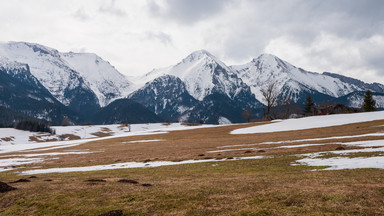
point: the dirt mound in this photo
(128, 181)
(5, 188)
(21, 180)
(261, 150)
(113, 213)
(95, 180)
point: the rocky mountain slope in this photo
(21, 92)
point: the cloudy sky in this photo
(343, 36)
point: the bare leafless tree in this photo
(270, 94)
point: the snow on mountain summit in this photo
(46, 65)
(269, 68)
(66, 75)
(202, 73)
(105, 81)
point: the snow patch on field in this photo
(312, 122)
(125, 166)
(338, 163)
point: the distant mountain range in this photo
(42, 83)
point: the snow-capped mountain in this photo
(21, 92)
(166, 96)
(203, 74)
(104, 80)
(188, 88)
(198, 88)
(72, 78)
(290, 79)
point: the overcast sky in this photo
(340, 36)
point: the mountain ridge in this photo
(200, 87)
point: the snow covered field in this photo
(13, 136)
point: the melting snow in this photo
(312, 122)
(339, 163)
(126, 166)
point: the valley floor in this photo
(324, 165)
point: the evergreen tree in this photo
(369, 103)
(309, 106)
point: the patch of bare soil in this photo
(113, 213)
(102, 134)
(41, 139)
(8, 139)
(21, 180)
(96, 180)
(69, 137)
(128, 181)
(4, 187)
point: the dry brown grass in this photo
(40, 139)
(69, 137)
(8, 139)
(268, 186)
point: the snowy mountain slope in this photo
(105, 81)
(70, 76)
(166, 96)
(199, 88)
(203, 74)
(356, 99)
(21, 92)
(268, 68)
(376, 87)
(47, 66)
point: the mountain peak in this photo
(266, 57)
(270, 61)
(37, 48)
(198, 55)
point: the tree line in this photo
(283, 106)
(34, 126)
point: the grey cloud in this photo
(187, 11)
(161, 36)
(302, 21)
(81, 14)
(111, 8)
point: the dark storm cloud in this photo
(187, 11)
